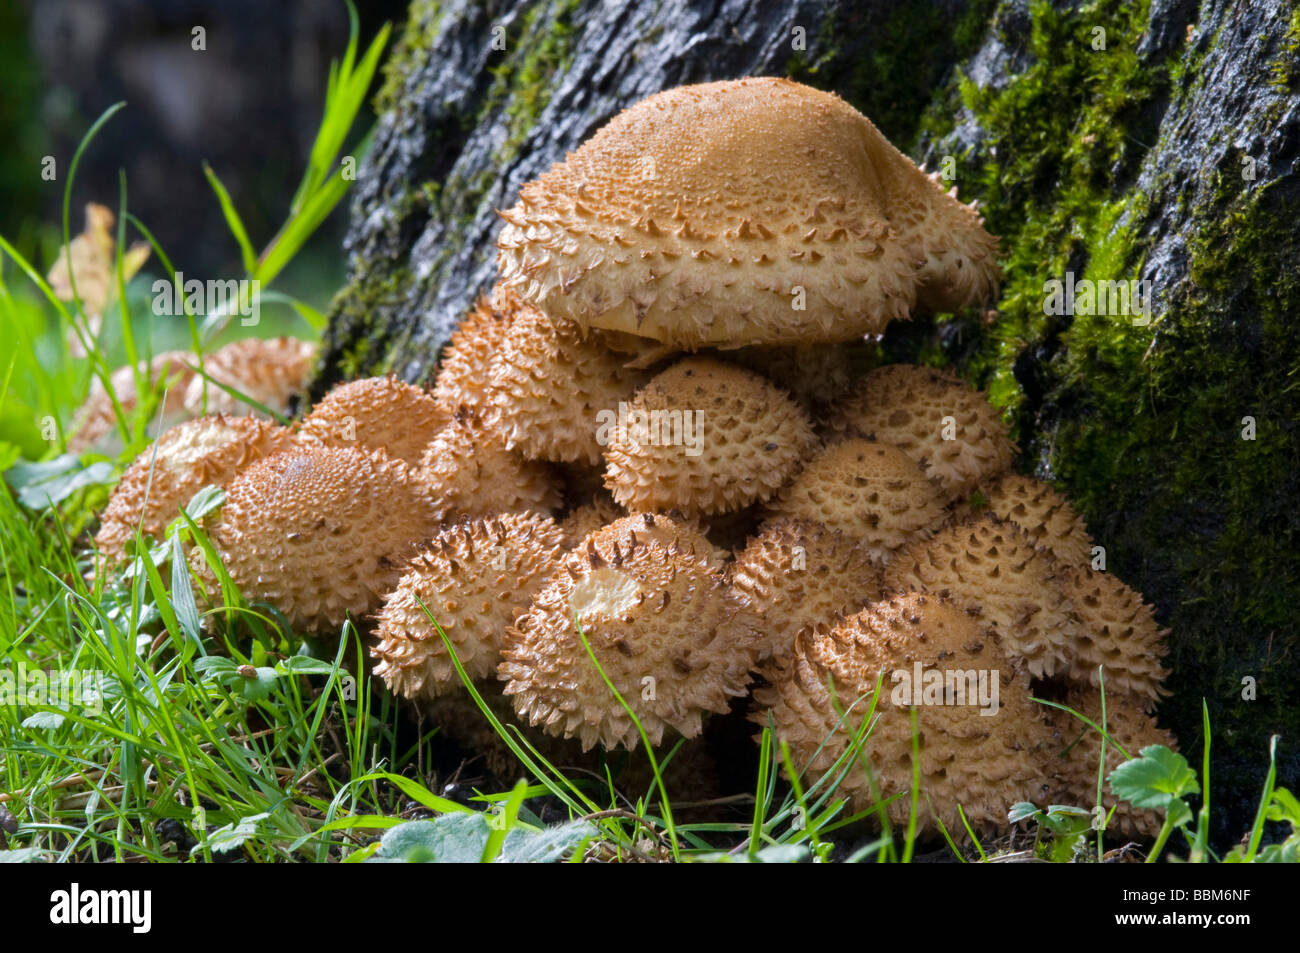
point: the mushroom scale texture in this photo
(1045, 515)
(549, 383)
(671, 635)
(474, 578)
(705, 437)
(321, 532)
(1118, 631)
(935, 418)
(797, 573)
(471, 473)
(272, 371)
(980, 752)
(870, 491)
(992, 567)
(377, 413)
(463, 373)
(164, 477)
(756, 211)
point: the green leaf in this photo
(205, 501)
(187, 611)
(41, 485)
(451, 839)
(233, 220)
(1021, 811)
(1157, 779)
(24, 855)
(304, 665)
(227, 838)
(547, 846)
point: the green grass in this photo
(219, 732)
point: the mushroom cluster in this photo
(648, 481)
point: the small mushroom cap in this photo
(980, 753)
(474, 578)
(704, 437)
(1045, 515)
(916, 408)
(1076, 754)
(590, 517)
(1118, 631)
(991, 567)
(702, 216)
(95, 423)
(815, 374)
(797, 573)
(320, 532)
(192, 455)
(550, 381)
(670, 634)
(271, 371)
(463, 374)
(376, 413)
(471, 473)
(868, 490)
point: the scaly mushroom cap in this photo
(586, 519)
(758, 211)
(471, 473)
(1118, 631)
(704, 437)
(272, 372)
(95, 420)
(906, 405)
(797, 573)
(980, 753)
(1076, 755)
(474, 578)
(548, 384)
(321, 532)
(190, 456)
(1045, 516)
(868, 490)
(376, 413)
(671, 635)
(466, 363)
(992, 567)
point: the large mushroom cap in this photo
(704, 437)
(993, 568)
(670, 634)
(979, 749)
(1118, 631)
(190, 456)
(758, 211)
(868, 490)
(320, 532)
(797, 573)
(377, 413)
(933, 416)
(474, 578)
(548, 384)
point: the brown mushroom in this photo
(376, 413)
(463, 374)
(672, 637)
(1119, 632)
(704, 437)
(702, 215)
(982, 741)
(474, 578)
(868, 490)
(933, 417)
(1045, 516)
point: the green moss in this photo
(424, 20)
